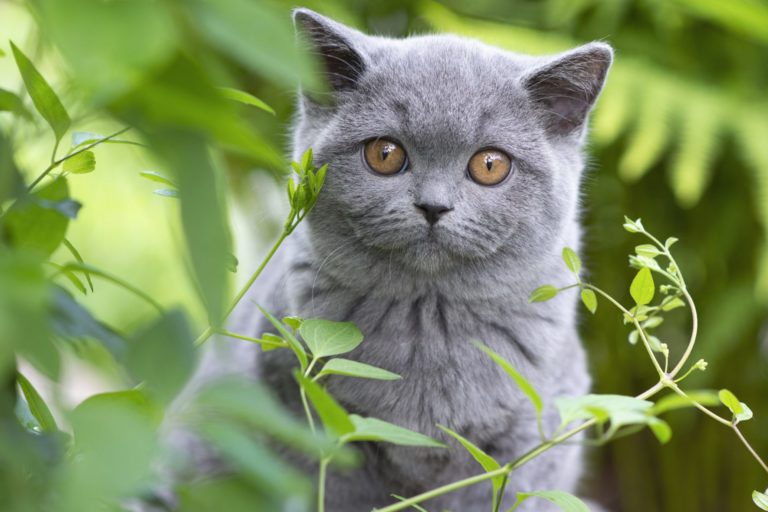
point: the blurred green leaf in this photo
(238, 447)
(76, 254)
(212, 493)
(166, 192)
(97, 272)
(9, 102)
(110, 45)
(71, 322)
(36, 222)
(620, 410)
(372, 429)
(157, 177)
(642, 288)
(567, 502)
(349, 368)
(589, 299)
(237, 27)
(326, 338)
(37, 405)
(149, 351)
(729, 400)
(45, 100)
(334, 417)
(81, 163)
(674, 401)
(543, 293)
(571, 260)
(203, 217)
(245, 98)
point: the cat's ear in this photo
(338, 47)
(565, 88)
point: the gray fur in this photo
(420, 293)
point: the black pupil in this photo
(385, 151)
(488, 162)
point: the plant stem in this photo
(304, 403)
(508, 468)
(694, 332)
(321, 484)
(56, 163)
(209, 331)
(749, 447)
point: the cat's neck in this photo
(344, 264)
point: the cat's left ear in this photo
(339, 48)
(565, 89)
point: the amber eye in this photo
(384, 156)
(489, 167)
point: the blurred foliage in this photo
(679, 137)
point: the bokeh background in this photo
(679, 138)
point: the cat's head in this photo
(443, 150)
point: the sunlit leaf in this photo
(45, 100)
(81, 163)
(543, 293)
(9, 102)
(589, 299)
(760, 499)
(157, 177)
(288, 336)
(642, 288)
(571, 260)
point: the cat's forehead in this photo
(441, 86)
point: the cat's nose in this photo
(432, 212)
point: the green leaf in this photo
(71, 276)
(486, 461)
(37, 405)
(660, 429)
(334, 417)
(619, 409)
(81, 163)
(288, 336)
(76, 254)
(589, 299)
(97, 272)
(157, 177)
(633, 226)
(567, 502)
(669, 242)
(525, 386)
(647, 250)
(543, 293)
(571, 260)
(349, 368)
(149, 351)
(729, 400)
(45, 100)
(246, 98)
(326, 338)
(37, 222)
(236, 445)
(653, 322)
(372, 429)
(294, 322)
(72, 322)
(9, 102)
(672, 303)
(760, 499)
(746, 413)
(642, 288)
(674, 401)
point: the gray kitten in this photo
(453, 184)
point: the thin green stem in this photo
(235, 335)
(209, 331)
(321, 484)
(694, 333)
(55, 149)
(749, 447)
(508, 468)
(639, 328)
(305, 404)
(56, 163)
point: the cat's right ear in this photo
(339, 48)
